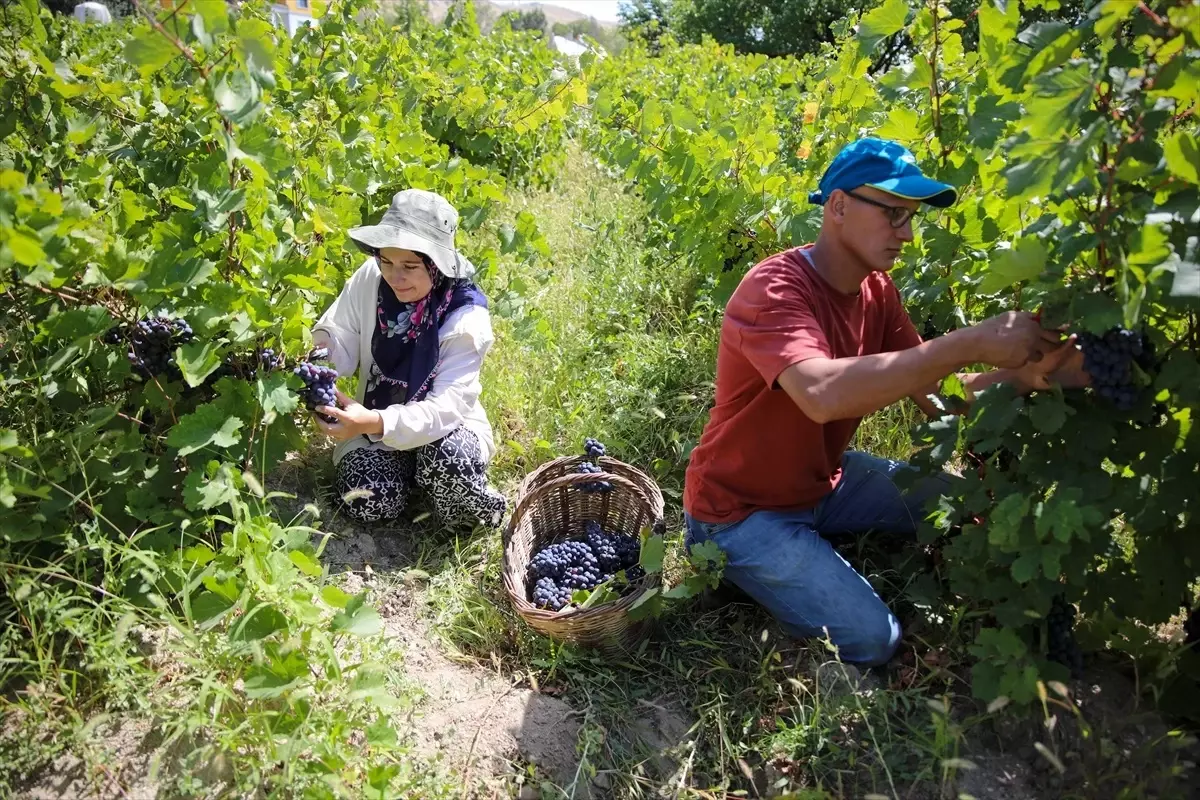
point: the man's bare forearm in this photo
(974, 383)
(845, 388)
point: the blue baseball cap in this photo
(884, 165)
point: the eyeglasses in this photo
(897, 215)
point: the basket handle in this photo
(578, 477)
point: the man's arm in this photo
(827, 389)
(1062, 366)
(974, 383)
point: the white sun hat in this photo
(420, 221)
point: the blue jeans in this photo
(781, 560)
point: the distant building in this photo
(573, 48)
(291, 14)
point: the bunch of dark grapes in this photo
(318, 388)
(269, 360)
(1060, 636)
(595, 487)
(614, 551)
(593, 449)
(247, 365)
(559, 569)
(552, 561)
(602, 545)
(152, 342)
(548, 594)
(1109, 360)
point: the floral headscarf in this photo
(405, 345)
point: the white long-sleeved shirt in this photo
(464, 338)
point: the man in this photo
(814, 338)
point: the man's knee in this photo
(874, 644)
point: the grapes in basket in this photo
(560, 569)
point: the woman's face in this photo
(406, 273)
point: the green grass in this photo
(605, 345)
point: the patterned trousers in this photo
(375, 485)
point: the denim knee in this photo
(876, 643)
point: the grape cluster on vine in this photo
(562, 568)
(319, 388)
(269, 360)
(1110, 358)
(152, 342)
(248, 365)
(1061, 646)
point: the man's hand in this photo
(1012, 340)
(352, 419)
(1062, 366)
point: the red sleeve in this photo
(899, 333)
(773, 323)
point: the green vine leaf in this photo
(197, 360)
(653, 551)
(1024, 261)
(881, 22)
(207, 425)
(149, 51)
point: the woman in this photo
(416, 329)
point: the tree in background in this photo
(464, 13)
(608, 38)
(532, 20)
(644, 19)
(771, 27)
(798, 27)
(580, 27)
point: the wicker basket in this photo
(552, 507)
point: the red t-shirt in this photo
(759, 450)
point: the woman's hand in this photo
(352, 419)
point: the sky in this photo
(603, 10)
